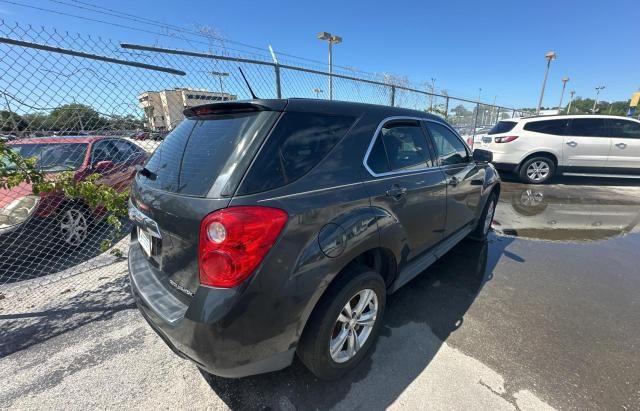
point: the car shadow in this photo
(36, 253)
(434, 303)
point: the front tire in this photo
(537, 170)
(483, 226)
(344, 325)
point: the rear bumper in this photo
(213, 328)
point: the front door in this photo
(464, 179)
(625, 144)
(586, 143)
(405, 182)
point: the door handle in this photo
(621, 145)
(396, 192)
(453, 181)
(572, 143)
(477, 182)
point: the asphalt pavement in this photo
(544, 315)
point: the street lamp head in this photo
(551, 55)
(565, 79)
(323, 35)
(336, 39)
(218, 73)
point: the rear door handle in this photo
(572, 143)
(396, 192)
(621, 145)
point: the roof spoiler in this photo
(228, 107)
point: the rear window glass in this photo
(555, 127)
(296, 145)
(502, 127)
(193, 155)
(624, 128)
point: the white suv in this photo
(537, 148)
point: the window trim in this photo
(426, 136)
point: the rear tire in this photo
(351, 335)
(537, 170)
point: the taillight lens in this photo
(470, 141)
(234, 241)
(507, 139)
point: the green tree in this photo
(36, 121)
(11, 121)
(75, 117)
(461, 111)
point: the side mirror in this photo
(482, 156)
(104, 165)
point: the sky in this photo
(498, 46)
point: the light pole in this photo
(571, 93)
(564, 84)
(318, 91)
(551, 55)
(595, 103)
(219, 74)
(332, 39)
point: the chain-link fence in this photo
(80, 106)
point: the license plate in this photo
(486, 140)
(144, 239)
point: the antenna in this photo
(253, 95)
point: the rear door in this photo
(405, 182)
(463, 178)
(625, 144)
(586, 143)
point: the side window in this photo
(400, 145)
(555, 127)
(586, 127)
(623, 128)
(103, 151)
(296, 145)
(450, 149)
(125, 151)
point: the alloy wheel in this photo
(354, 325)
(73, 227)
(538, 170)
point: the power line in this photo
(169, 27)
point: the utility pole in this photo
(564, 84)
(570, 101)
(550, 56)
(595, 103)
(332, 39)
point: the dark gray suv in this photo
(267, 228)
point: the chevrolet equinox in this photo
(270, 228)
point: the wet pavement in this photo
(545, 314)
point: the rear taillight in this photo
(507, 139)
(234, 241)
(470, 141)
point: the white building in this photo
(163, 109)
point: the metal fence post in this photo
(278, 87)
(446, 108)
(393, 96)
(475, 121)
(497, 114)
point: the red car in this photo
(30, 219)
